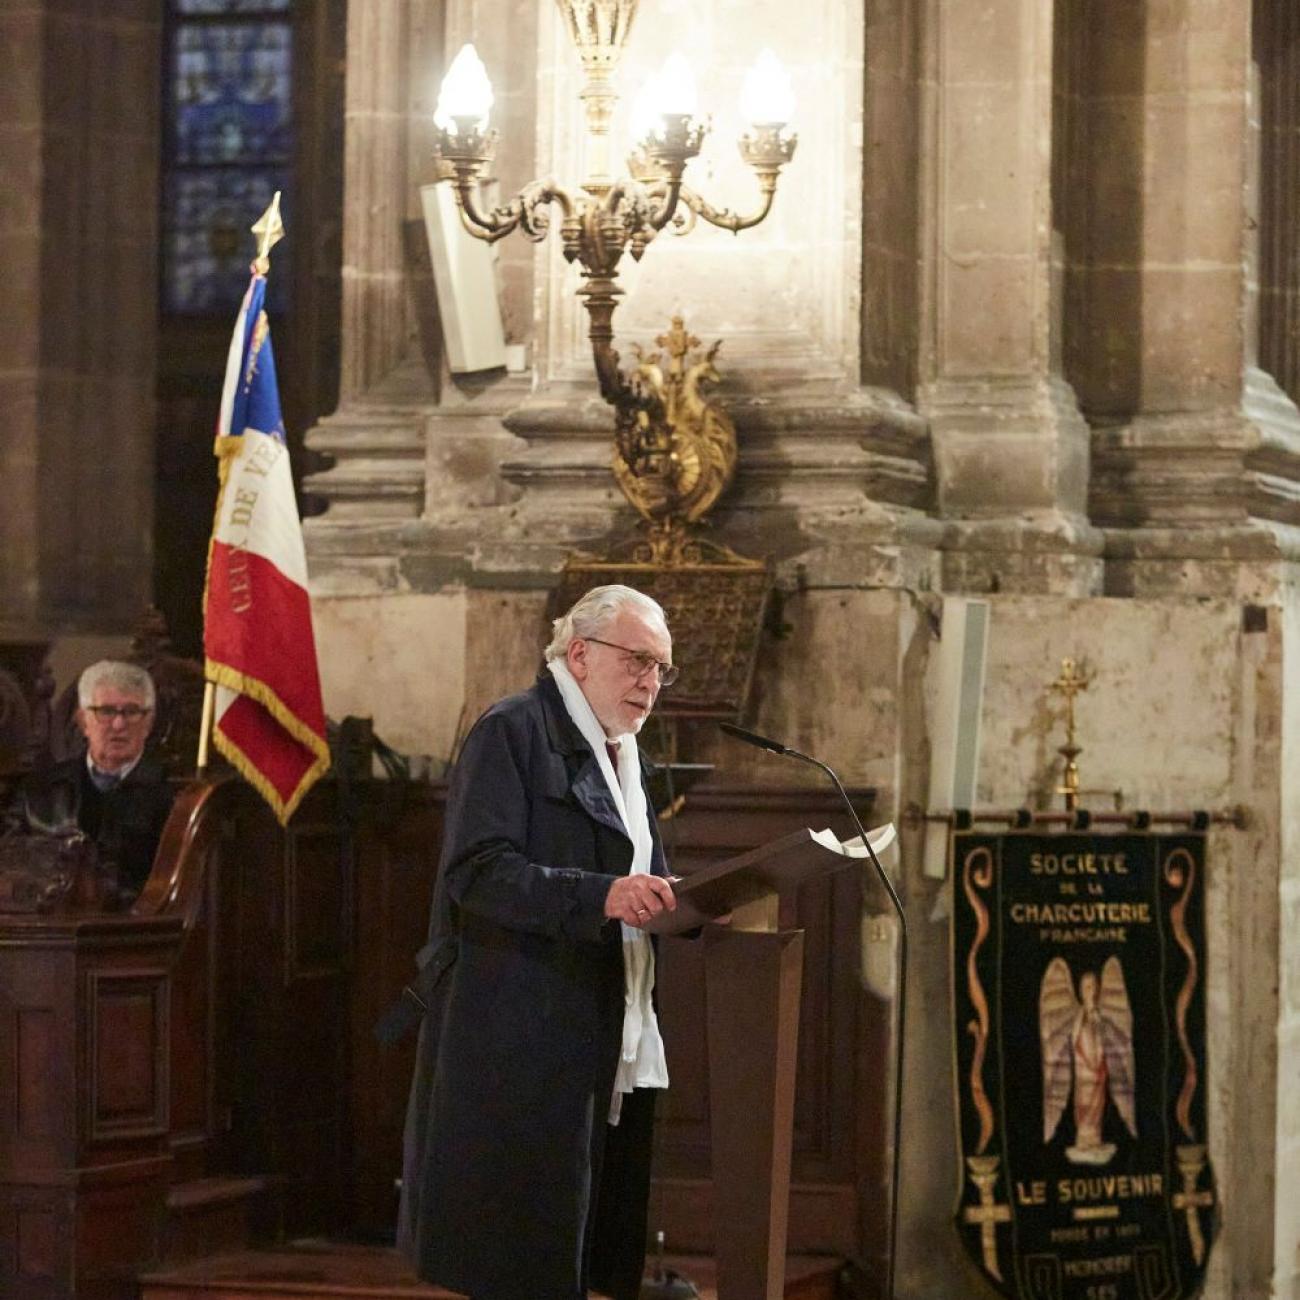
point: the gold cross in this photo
(679, 340)
(1070, 683)
(1191, 1160)
(988, 1213)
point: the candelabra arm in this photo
(659, 199)
(671, 192)
(626, 396)
(614, 387)
(766, 151)
(528, 212)
(724, 217)
(626, 209)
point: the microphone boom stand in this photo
(776, 747)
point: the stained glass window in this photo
(209, 242)
(229, 132)
(231, 93)
(232, 6)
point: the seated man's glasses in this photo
(639, 662)
(107, 712)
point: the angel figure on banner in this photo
(1088, 1042)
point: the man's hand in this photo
(637, 900)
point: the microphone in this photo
(753, 738)
(776, 747)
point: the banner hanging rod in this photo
(1080, 819)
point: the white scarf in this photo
(641, 1061)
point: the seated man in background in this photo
(113, 792)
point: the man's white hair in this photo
(130, 679)
(592, 613)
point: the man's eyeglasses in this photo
(639, 662)
(107, 712)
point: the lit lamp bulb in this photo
(647, 116)
(662, 118)
(767, 99)
(675, 88)
(465, 97)
(767, 102)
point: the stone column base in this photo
(1201, 469)
(1011, 463)
(1251, 562)
(1007, 446)
(1045, 553)
(1201, 503)
(502, 487)
(378, 470)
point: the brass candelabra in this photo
(605, 216)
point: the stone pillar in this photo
(1255, 923)
(1277, 354)
(1277, 59)
(78, 256)
(414, 451)
(400, 410)
(390, 350)
(1285, 1208)
(1194, 448)
(890, 196)
(1010, 448)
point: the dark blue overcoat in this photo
(523, 977)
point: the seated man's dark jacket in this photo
(125, 822)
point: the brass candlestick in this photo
(1069, 684)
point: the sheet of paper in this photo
(881, 838)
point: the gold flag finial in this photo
(269, 230)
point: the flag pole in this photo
(269, 230)
(205, 726)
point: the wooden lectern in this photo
(753, 973)
(84, 1091)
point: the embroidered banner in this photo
(1078, 965)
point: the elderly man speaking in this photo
(527, 1162)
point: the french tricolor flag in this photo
(257, 633)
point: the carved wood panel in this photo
(126, 1023)
(84, 1091)
(318, 903)
(283, 984)
(397, 862)
(195, 1121)
(37, 1082)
